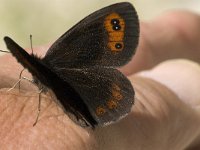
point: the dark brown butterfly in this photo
(79, 66)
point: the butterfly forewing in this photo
(78, 66)
(107, 37)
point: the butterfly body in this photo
(80, 66)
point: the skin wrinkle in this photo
(18, 116)
(50, 103)
(142, 131)
(49, 116)
(140, 103)
(43, 111)
(159, 119)
(79, 138)
(58, 139)
(149, 115)
(4, 110)
(60, 130)
(11, 129)
(61, 121)
(161, 98)
(147, 103)
(165, 112)
(70, 127)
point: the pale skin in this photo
(166, 113)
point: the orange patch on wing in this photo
(100, 111)
(111, 104)
(115, 36)
(116, 92)
(117, 95)
(109, 26)
(112, 46)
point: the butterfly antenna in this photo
(31, 41)
(22, 78)
(20, 75)
(4, 51)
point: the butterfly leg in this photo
(39, 107)
(14, 85)
(20, 77)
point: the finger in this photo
(172, 35)
(54, 130)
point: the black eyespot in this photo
(116, 27)
(118, 45)
(115, 21)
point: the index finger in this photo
(172, 35)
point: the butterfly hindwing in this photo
(107, 93)
(107, 37)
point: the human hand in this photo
(163, 116)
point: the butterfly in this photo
(80, 67)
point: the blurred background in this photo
(47, 20)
